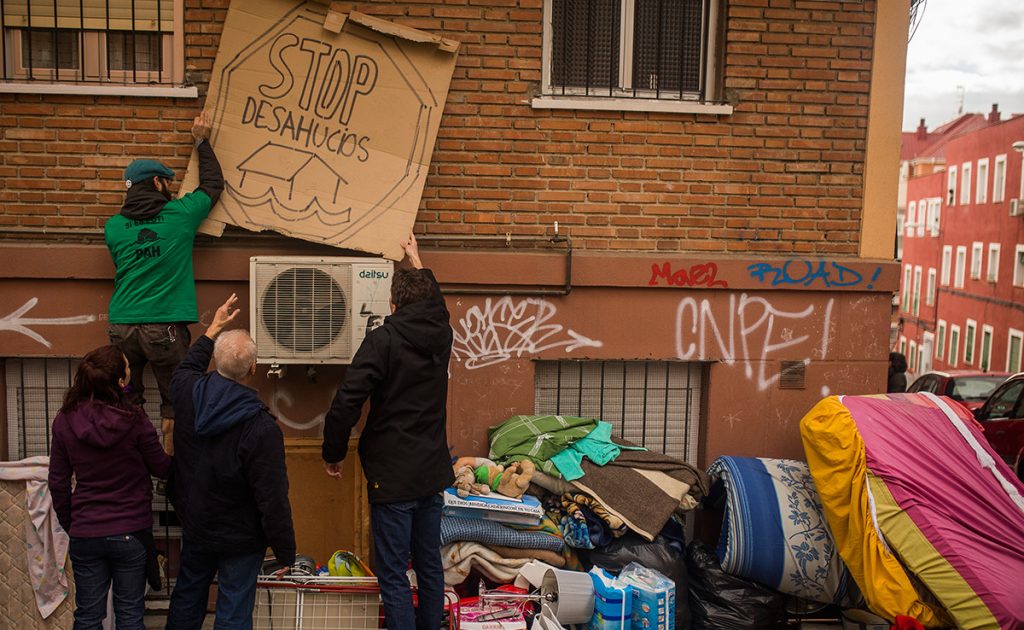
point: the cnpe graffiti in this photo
(752, 331)
(807, 273)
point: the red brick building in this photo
(962, 288)
(729, 205)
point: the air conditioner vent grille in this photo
(304, 309)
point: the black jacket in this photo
(144, 201)
(402, 367)
(229, 483)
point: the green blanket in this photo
(537, 438)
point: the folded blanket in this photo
(549, 526)
(537, 438)
(548, 557)
(491, 533)
(644, 488)
(459, 559)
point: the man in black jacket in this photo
(229, 484)
(402, 367)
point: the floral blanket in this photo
(774, 531)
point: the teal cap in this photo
(141, 170)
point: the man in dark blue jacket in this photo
(402, 367)
(229, 484)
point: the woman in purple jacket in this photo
(111, 448)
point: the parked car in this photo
(1002, 416)
(969, 388)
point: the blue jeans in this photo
(98, 563)
(236, 589)
(400, 530)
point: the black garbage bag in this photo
(720, 601)
(663, 555)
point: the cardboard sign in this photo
(324, 124)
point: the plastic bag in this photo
(654, 597)
(661, 555)
(719, 601)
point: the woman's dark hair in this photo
(97, 379)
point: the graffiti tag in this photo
(699, 275)
(807, 273)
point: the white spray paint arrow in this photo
(16, 323)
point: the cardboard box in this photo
(324, 123)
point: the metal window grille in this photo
(630, 48)
(89, 41)
(35, 392)
(656, 404)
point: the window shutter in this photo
(585, 44)
(149, 15)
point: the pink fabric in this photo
(46, 544)
(935, 476)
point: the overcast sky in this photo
(977, 44)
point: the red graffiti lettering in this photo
(699, 275)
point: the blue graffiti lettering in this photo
(807, 273)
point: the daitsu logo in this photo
(328, 81)
(373, 274)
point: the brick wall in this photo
(786, 167)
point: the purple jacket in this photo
(112, 454)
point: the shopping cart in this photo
(322, 603)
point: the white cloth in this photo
(46, 543)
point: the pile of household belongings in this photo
(902, 509)
(591, 501)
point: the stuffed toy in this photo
(511, 482)
(465, 482)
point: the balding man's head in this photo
(235, 354)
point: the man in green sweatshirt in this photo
(150, 241)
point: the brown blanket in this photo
(644, 488)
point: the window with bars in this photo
(124, 42)
(35, 391)
(635, 49)
(656, 404)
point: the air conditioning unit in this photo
(314, 310)
(1016, 207)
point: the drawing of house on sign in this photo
(297, 181)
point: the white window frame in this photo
(985, 354)
(89, 78)
(970, 342)
(911, 217)
(940, 340)
(934, 215)
(912, 356)
(977, 251)
(924, 361)
(951, 186)
(581, 100)
(993, 263)
(1018, 266)
(903, 346)
(917, 290)
(929, 293)
(960, 267)
(1012, 334)
(954, 346)
(981, 191)
(999, 179)
(908, 273)
(947, 261)
(923, 216)
(965, 183)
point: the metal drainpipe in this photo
(508, 239)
